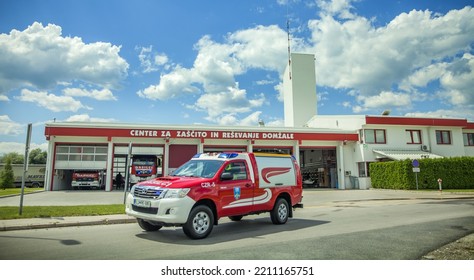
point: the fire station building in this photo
(333, 151)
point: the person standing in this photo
(119, 181)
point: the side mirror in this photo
(227, 176)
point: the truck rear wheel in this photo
(200, 222)
(280, 212)
(146, 226)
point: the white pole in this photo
(127, 172)
(25, 166)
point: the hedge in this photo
(456, 173)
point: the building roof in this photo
(196, 131)
(406, 154)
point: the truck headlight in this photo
(176, 193)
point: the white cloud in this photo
(410, 52)
(50, 101)
(380, 66)
(103, 94)
(340, 8)
(458, 82)
(9, 127)
(253, 50)
(171, 85)
(216, 67)
(231, 119)
(161, 59)
(228, 103)
(151, 61)
(442, 113)
(275, 123)
(251, 120)
(423, 76)
(87, 118)
(385, 100)
(41, 57)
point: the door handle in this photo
(248, 185)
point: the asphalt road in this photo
(332, 226)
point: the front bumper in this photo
(166, 211)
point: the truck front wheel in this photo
(146, 226)
(200, 222)
(279, 214)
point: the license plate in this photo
(142, 203)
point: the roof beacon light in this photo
(228, 155)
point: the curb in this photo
(19, 194)
(68, 224)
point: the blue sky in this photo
(220, 62)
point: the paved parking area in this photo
(65, 198)
(317, 196)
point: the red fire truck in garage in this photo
(85, 179)
(144, 167)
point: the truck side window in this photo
(237, 169)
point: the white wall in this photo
(455, 149)
(345, 122)
(468, 150)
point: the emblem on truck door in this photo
(273, 171)
(236, 193)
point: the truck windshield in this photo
(199, 168)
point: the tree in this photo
(15, 158)
(7, 177)
(37, 156)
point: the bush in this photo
(7, 178)
(456, 173)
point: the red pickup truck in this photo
(208, 187)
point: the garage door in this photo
(81, 157)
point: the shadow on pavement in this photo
(229, 231)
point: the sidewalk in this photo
(54, 222)
(64, 198)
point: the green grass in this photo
(449, 190)
(4, 192)
(12, 212)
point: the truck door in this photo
(236, 189)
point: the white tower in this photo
(299, 90)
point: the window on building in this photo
(468, 139)
(81, 153)
(364, 169)
(375, 136)
(443, 137)
(413, 136)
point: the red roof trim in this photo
(197, 134)
(415, 121)
(470, 125)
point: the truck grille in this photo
(152, 210)
(147, 192)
